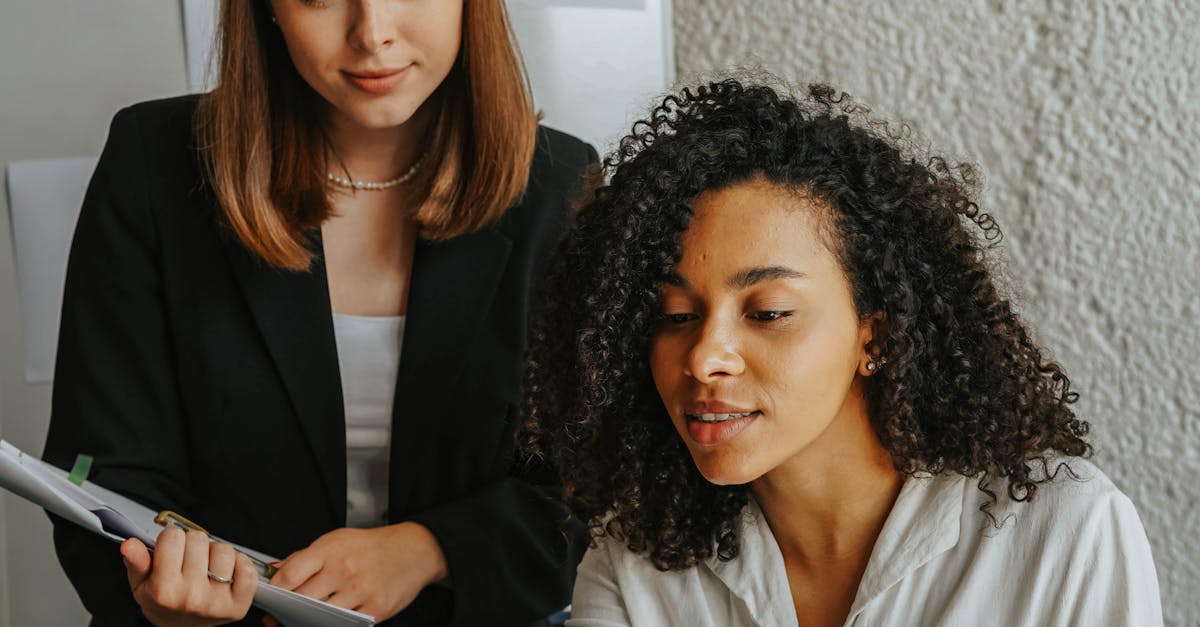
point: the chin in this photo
(374, 112)
(725, 472)
(377, 119)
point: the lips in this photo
(376, 81)
(718, 417)
(720, 428)
(716, 408)
(710, 423)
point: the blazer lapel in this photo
(452, 287)
(293, 315)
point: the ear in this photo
(871, 332)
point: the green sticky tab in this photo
(83, 465)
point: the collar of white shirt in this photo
(923, 524)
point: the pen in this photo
(169, 518)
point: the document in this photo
(117, 518)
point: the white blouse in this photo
(368, 349)
(1076, 555)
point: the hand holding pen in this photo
(189, 581)
(168, 518)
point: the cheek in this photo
(813, 370)
(440, 37)
(309, 52)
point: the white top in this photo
(1076, 555)
(368, 351)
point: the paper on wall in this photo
(44, 198)
(199, 28)
(595, 65)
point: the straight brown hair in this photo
(261, 136)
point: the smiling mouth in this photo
(720, 417)
(377, 82)
(710, 430)
(375, 73)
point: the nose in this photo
(715, 354)
(373, 28)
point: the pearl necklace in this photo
(342, 181)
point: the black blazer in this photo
(204, 381)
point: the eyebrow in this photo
(753, 276)
(746, 278)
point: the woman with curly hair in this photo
(781, 386)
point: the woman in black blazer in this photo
(199, 366)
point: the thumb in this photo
(137, 561)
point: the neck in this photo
(375, 154)
(829, 502)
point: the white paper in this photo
(199, 29)
(48, 487)
(595, 66)
(44, 199)
(17, 477)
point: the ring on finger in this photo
(219, 579)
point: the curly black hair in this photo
(966, 390)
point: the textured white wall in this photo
(1084, 116)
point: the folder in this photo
(117, 518)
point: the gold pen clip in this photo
(168, 518)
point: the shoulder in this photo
(560, 162)
(152, 142)
(1081, 539)
(754, 539)
(1076, 508)
(758, 556)
(611, 559)
(562, 152)
(1068, 486)
(622, 586)
(608, 554)
(164, 119)
(615, 585)
(164, 110)
(149, 167)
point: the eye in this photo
(769, 316)
(676, 318)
